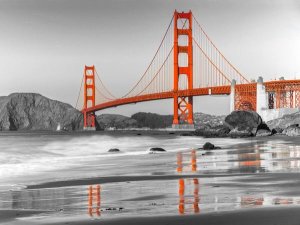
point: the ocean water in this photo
(26, 158)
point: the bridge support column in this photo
(89, 121)
(232, 96)
(89, 98)
(183, 105)
(261, 97)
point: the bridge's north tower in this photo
(183, 104)
(89, 97)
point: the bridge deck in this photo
(220, 90)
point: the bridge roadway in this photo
(219, 90)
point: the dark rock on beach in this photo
(156, 149)
(209, 146)
(114, 150)
(29, 111)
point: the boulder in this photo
(114, 150)
(209, 146)
(156, 149)
(293, 130)
(243, 123)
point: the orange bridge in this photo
(187, 63)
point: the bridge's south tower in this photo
(183, 104)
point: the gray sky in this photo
(44, 44)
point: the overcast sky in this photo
(44, 44)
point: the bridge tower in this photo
(89, 98)
(183, 105)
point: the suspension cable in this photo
(79, 91)
(151, 60)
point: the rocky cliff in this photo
(29, 111)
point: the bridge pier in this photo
(89, 121)
(232, 95)
(183, 126)
(261, 96)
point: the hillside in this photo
(206, 120)
(152, 120)
(117, 121)
(29, 111)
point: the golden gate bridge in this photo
(187, 63)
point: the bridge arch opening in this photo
(183, 82)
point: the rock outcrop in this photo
(29, 111)
(285, 121)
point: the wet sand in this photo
(261, 194)
(282, 216)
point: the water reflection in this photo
(187, 162)
(94, 200)
(251, 201)
(157, 197)
(187, 198)
(265, 157)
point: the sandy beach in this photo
(250, 181)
